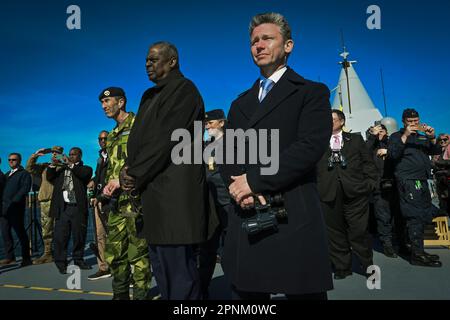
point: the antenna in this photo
(384, 95)
(346, 64)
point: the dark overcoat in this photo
(295, 259)
(175, 196)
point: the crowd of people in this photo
(288, 232)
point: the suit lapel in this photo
(347, 138)
(285, 87)
(250, 103)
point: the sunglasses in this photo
(10, 160)
(101, 138)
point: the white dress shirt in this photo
(275, 77)
(332, 139)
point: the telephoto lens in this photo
(262, 221)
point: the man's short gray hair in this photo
(169, 50)
(274, 18)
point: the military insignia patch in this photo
(107, 93)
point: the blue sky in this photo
(51, 76)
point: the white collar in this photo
(276, 76)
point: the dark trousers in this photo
(175, 271)
(71, 221)
(347, 222)
(208, 251)
(14, 220)
(383, 214)
(416, 209)
(242, 295)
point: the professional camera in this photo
(335, 158)
(267, 215)
(109, 203)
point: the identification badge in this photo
(211, 163)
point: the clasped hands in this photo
(241, 193)
(125, 182)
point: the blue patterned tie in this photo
(266, 86)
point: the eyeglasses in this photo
(101, 138)
(10, 160)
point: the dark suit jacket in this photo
(100, 175)
(2, 187)
(360, 177)
(174, 197)
(15, 192)
(295, 259)
(81, 177)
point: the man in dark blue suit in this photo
(292, 259)
(17, 186)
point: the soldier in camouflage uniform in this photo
(44, 198)
(124, 250)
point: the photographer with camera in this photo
(124, 250)
(346, 177)
(45, 197)
(69, 207)
(410, 149)
(384, 199)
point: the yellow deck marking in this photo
(71, 291)
(97, 293)
(41, 288)
(13, 286)
(101, 293)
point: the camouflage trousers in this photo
(124, 252)
(47, 226)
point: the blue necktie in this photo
(266, 86)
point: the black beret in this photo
(111, 92)
(216, 114)
(410, 113)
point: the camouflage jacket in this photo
(40, 169)
(116, 147)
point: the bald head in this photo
(162, 58)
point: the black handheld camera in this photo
(337, 158)
(267, 215)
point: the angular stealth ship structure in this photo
(352, 98)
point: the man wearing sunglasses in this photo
(101, 219)
(18, 184)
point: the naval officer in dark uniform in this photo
(410, 151)
(210, 251)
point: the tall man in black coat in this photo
(17, 186)
(346, 177)
(69, 207)
(293, 260)
(174, 196)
